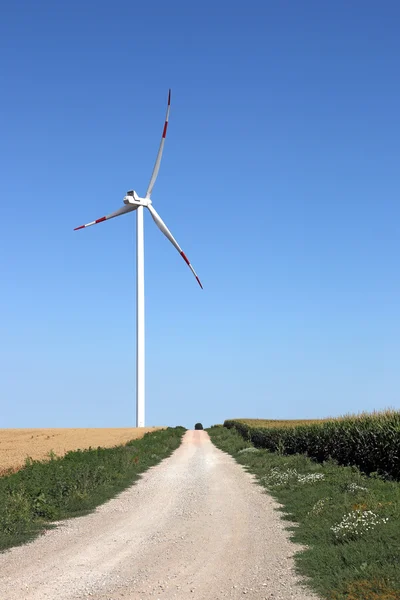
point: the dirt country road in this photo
(195, 526)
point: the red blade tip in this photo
(185, 258)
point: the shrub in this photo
(198, 426)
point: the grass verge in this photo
(74, 484)
(349, 523)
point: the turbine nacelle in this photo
(132, 198)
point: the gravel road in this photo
(195, 526)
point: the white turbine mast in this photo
(133, 201)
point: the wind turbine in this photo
(132, 201)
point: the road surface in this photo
(195, 526)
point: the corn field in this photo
(369, 441)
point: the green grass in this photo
(358, 566)
(75, 484)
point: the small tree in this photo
(198, 426)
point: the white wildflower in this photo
(278, 477)
(310, 477)
(356, 523)
(354, 487)
(319, 506)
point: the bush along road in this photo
(371, 442)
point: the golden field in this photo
(279, 423)
(18, 444)
(376, 414)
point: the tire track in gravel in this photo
(194, 526)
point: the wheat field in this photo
(18, 444)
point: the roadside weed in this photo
(355, 523)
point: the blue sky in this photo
(280, 180)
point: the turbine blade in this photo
(121, 211)
(160, 151)
(162, 226)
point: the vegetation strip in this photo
(17, 444)
(74, 484)
(370, 441)
(348, 522)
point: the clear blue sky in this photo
(280, 180)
